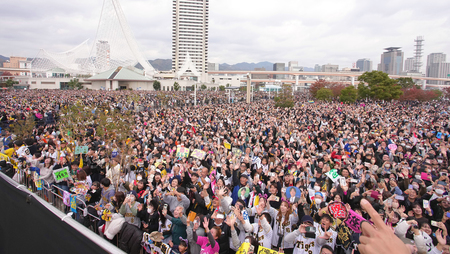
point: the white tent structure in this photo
(114, 46)
(188, 68)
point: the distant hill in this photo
(245, 66)
(3, 59)
(161, 64)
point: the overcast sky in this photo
(308, 31)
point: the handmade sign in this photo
(81, 149)
(237, 152)
(353, 221)
(264, 250)
(244, 249)
(182, 152)
(73, 203)
(66, 198)
(199, 154)
(333, 175)
(337, 210)
(392, 147)
(227, 145)
(61, 174)
(293, 191)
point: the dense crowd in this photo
(321, 177)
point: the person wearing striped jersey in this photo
(327, 236)
(304, 242)
(284, 218)
(262, 230)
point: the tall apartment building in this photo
(409, 64)
(190, 34)
(437, 67)
(279, 67)
(364, 65)
(317, 68)
(391, 61)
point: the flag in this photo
(73, 203)
(81, 161)
(66, 198)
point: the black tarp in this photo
(27, 226)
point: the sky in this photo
(308, 31)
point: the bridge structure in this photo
(353, 76)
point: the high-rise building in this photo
(190, 34)
(391, 61)
(330, 67)
(292, 64)
(317, 68)
(213, 66)
(409, 64)
(364, 64)
(279, 67)
(437, 67)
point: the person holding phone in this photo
(305, 238)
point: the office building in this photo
(330, 67)
(279, 67)
(190, 34)
(292, 64)
(437, 67)
(317, 68)
(409, 64)
(391, 61)
(364, 64)
(213, 66)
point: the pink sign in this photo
(353, 221)
(392, 147)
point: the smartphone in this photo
(165, 208)
(399, 197)
(425, 204)
(434, 223)
(310, 229)
(283, 190)
(448, 215)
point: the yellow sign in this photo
(227, 145)
(245, 247)
(262, 250)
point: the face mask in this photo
(388, 165)
(440, 161)
(439, 192)
(150, 210)
(139, 178)
(318, 201)
(417, 177)
(317, 188)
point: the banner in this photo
(61, 174)
(38, 184)
(245, 247)
(81, 149)
(237, 152)
(199, 154)
(66, 198)
(73, 203)
(263, 250)
(182, 152)
(333, 175)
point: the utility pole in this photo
(248, 87)
(195, 94)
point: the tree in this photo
(438, 93)
(10, 83)
(406, 82)
(176, 86)
(23, 128)
(324, 94)
(203, 87)
(75, 84)
(157, 85)
(285, 99)
(228, 85)
(336, 88)
(381, 86)
(222, 88)
(446, 92)
(349, 94)
(363, 91)
(316, 86)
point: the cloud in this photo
(310, 32)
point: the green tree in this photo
(176, 86)
(228, 85)
(438, 93)
(284, 98)
(222, 88)
(157, 85)
(324, 94)
(75, 84)
(203, 87)
(381, 86)
(406, 82)
(349, 94)
(23, 128)
(363, 91)
(10, 83)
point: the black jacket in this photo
(130, 238)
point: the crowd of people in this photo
(321, 177)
